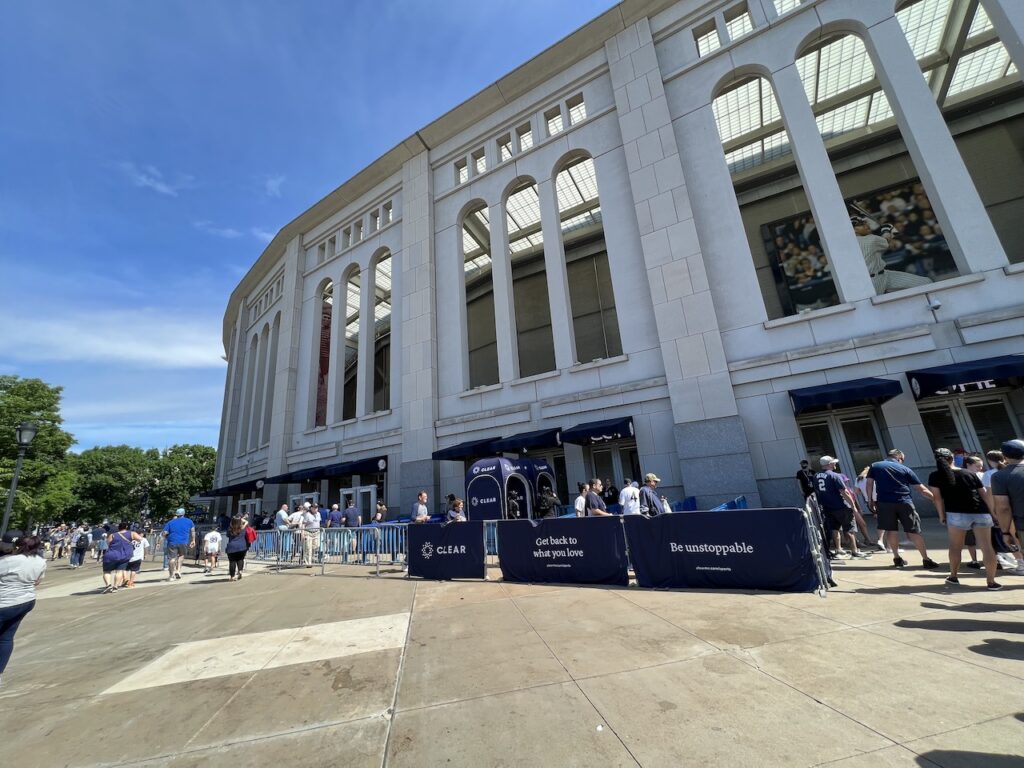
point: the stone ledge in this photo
(617, 389)
(804, 317)
(993, 316)
(824, 349)
(921, 290)
(488, 414)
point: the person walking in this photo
(211, 548)
(139, 547)
(805, 478)
(20, 574)
(650, 501)
(1008, 491)
(581, 501)
(310, 527)
(629, 498)
(960, 501)
(100, 537)
(837, 504)
(890, 483)
(118, 555)
(180, 533)
(236, 548)
(80, 541)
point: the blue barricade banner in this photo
(572, 550)
(450, 551)
(740, 549)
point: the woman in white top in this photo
(20, 573)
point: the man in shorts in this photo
(1008, 490)
(960, 500)
(180, 534)
(889, 483)
(211, 548)
(836, 502)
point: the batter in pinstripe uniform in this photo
(872, 247)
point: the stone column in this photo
(837, 236)
(504, 305)
(558, 279)
(966, 224)
(714, 457)
(364, 369)
(336, 358)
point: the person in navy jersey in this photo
(595, 506)
(888, 491)
(836, 502)
(335, 519)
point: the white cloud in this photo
(262, 234)
(150, 177)
(210, 228)
(272, 185)
(143, 337)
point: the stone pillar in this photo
(558, 280)
(714, 458)
(1008, 19)
(417, 306)
(837, 236)
(336, 359)
(966, 224)
(367, 331)
(232, 397)
(504, 306)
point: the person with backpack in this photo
(119, 553)
(240, 538)
(80, 541)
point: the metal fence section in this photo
(816, 539)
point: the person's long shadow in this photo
(974, 607)
(958, 757)
(999, 648)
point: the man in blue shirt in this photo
(180, 534)
(888, 492)
(836, 502)
(335, 518)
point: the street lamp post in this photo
(24, 433)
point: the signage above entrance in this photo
(968, 376)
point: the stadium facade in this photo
(635, 254)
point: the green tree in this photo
(38, 484)
(113, 481)
(181, 472)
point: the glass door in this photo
(365, 499)
(992, 422)
(818, 442)
(862, 442)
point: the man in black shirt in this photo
(595, 506)
(963, 504)
(805, 477)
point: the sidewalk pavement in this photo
(894, 668)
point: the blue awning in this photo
(471, 449)
(526, 441)
(599, 431)
(937, 381)
(356, 467)
(247, 486)
(844, 393)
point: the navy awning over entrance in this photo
(356, 467)
(937, 381)
(844, 393)
(230, 490)
(526, 441)
(599, 431)
(471, 449)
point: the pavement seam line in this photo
(575, 682)
(398, 677)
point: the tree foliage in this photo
(181, 472)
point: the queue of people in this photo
(982, 509)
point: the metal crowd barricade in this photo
(816, 539)
(350, 546)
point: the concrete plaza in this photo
(892, 669)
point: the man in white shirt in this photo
(419, 508)
(310, 526)
(581, 500)
(211, 546)
(629, 498)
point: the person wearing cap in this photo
(836, 502)
(629, 497)
(1008, 490)
(650, 501)
(873, 247)
(888, 491)
(962, 503)
(805, 478)
(310, 526)
(180, 535)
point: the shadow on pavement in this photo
(974, 607)
(956, 758)
(963, 625)
(1001, 649)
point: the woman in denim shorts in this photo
(963, 505)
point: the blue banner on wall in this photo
(450, 551)
(741, 549)
(588, 550)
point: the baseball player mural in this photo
(873, 246)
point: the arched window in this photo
(534, 340)
(477, 270)
(268, 406)
(793, 268)
(351, 348)
(324, 353)
(255, 429)
(594, 320)
(382, 334)
(900, 235)
(247, 405)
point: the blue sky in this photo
(150, 150)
